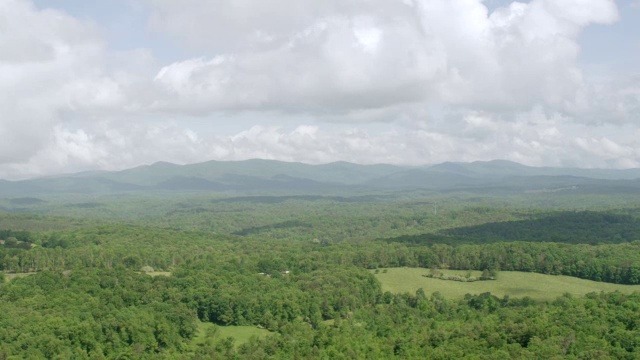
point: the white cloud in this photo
(327, 67)
(533, 137)
(369, 81)
(47, 67)
(356, 55)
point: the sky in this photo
(109, 85)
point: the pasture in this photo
(241, 334)
(512, 283)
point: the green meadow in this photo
(511, 283)
(241, 334)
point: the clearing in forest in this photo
(512, 283)
(241, 334)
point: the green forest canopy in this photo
(299, 268)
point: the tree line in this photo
(134, 247)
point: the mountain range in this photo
(255, 176)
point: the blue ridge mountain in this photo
(255, 176)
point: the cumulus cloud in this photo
(534, 137)
(370, 54)
(368, 81)
(47, 67)
(325, 68)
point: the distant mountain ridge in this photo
(502, 168)
(256, 175)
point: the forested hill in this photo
(253, 176)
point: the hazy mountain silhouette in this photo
(269, 175)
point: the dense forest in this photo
(80, 279)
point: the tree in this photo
(11, 242)
(486, 275)
(493, 273)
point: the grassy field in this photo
(241, 334)
(511, 283)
